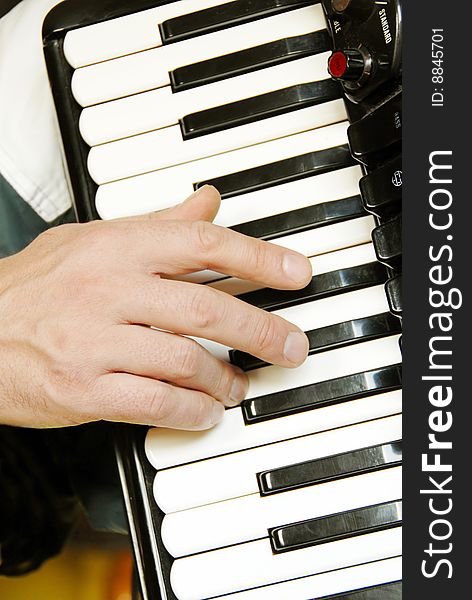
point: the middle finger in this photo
(201, 311)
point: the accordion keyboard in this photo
(297, 493)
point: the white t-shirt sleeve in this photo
(30, 149)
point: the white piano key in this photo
(344, 307)
(327, 584)
(272, 201)
(250, 565)
(166, 147)
(137, 114)
(169, 447)
(234, 475)
(323, 263)
(123, 35)
(329, 238)
(170, 137)
(173, 184)
(248, 518)
(94, 85)
(325, 366)
(289, 196)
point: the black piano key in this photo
(323, 393)
(331, 468)
(282, 171)
(336, 527)
(377, 136)
(393, 289)
(251, 59)
(264, 106)
(321, 286)
(302, 219)
(381, 189)
(222, 16)
(331, 337)
(386, 591)
(387, 239)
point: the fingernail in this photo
(239, 388)
(217, 413)
(296, 347)
(297, 267)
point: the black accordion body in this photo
(292, 109)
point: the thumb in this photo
(202, 205)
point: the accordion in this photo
(292, 110)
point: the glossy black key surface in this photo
(222, 16)
(323, 393)
(338, 466)
(332, 336)
(259, 107)
(321, 286)
(282, 171)
(387, 239)
(377, 136)
(393, 289)
(336, 527)
(381, 189)
(302, 219)
(251, 59)
(386, 591)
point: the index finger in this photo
(183, 247)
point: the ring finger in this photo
(179, 360)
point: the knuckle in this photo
(187, 360)
(69, 386)
(200, 408)
(54, 234)
(265, 334)
(223, 382)
(90, 292)
(265, 258)
(259, 256)
(91, 234)
(203, 309)
(94, 244)
(160, 403)
(72, 367)
(208, 238)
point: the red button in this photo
(337, 64)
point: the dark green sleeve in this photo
(19, 224)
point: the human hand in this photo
(77, 306)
